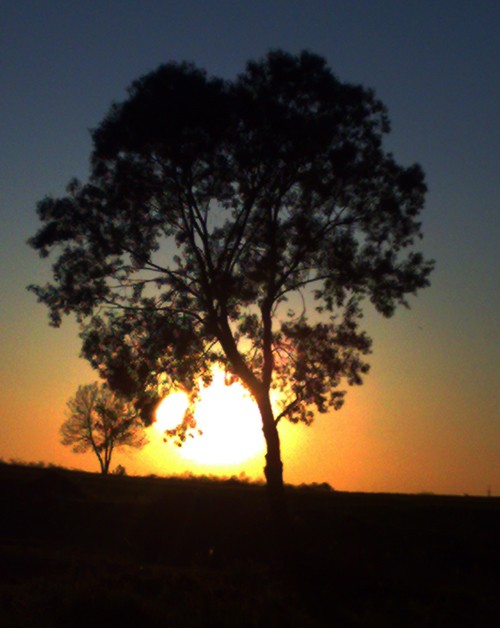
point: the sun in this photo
(228, 418)
(170, 411)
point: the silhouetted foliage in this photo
(243, 222)
(119, 470)
(100, 421)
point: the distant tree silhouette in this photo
(243, 222)
(119, 470)
(99, 421)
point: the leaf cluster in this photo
(214, 205)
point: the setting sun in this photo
(228, 418)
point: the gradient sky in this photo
(427, 417)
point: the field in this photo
(78, 549)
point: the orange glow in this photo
(228, 418)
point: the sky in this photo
(427, 418)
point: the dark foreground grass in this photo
(77, 549)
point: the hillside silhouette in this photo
(77, 548)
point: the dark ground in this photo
(77, 549)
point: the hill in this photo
(78, 549)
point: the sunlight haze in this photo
(427, 417)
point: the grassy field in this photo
(78, 549)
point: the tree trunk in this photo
(273, 469)
(104, 466)
(107, 460)
(99, 457)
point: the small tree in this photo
(242, 222)
(100, 421)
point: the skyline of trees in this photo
(242, 222)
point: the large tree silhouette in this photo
(243, 222)
(99, 421)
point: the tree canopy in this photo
(97, 420)
(239, 221)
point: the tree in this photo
(99, 421)
(243, 222)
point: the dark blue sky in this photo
(435, 64)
